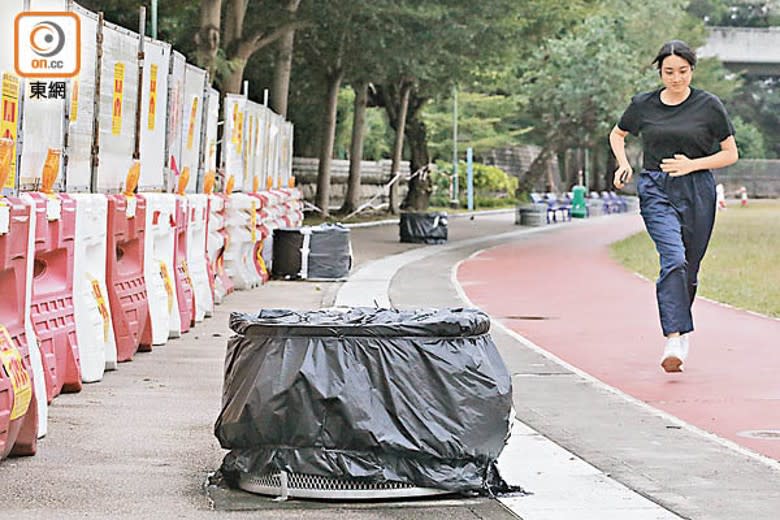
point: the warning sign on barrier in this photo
(186, 272)
(191, 126)
(15, 371)
(116, 114)
(101, 305)
(74, 101)
(10, 101)
(152, 96)
(253, 222)
(166, 277)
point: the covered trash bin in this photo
(370, 399)
(579, 207)
(423, 228)
(312, 253)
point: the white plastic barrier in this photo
(196, 255)
(239, 260)
(158, 264)
(32, 339)
(92, 313)
(215, 242)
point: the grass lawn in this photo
(742, 264)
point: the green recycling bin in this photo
(579, 208)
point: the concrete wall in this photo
(373, 177)
(754, 49)
(761, 177)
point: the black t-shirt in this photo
(693, 128)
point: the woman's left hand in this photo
(680, 165)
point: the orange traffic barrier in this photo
(18, 405)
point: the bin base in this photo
(299, 485)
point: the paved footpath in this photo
(140, 443)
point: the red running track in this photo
(603, 319)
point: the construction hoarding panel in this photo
(81, 118)
(154, 103)
(194, 86)
(233, 140)
(175, 114)
(117, 110)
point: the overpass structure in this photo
(755, 51)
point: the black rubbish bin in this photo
(372, 397)
(312, 253)
(423, 228)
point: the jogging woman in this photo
(685, 133)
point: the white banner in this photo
(154, 105)
(212, 123)
(118, 99)
(175, 115)
(81, 109)
(233, 137)
(194, 86)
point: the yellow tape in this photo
(16, 372)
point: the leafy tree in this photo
(750, 140)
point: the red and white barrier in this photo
(125, 271)
(184, 294)
(18, 403)
(51, 309)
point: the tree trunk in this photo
(232, 83)
(283, 69)
(536, 171)
(352, 199)
(328, 140)
(398, 148)
(234, 21)
(207, 37)
(419, 192)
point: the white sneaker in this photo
(674, 355)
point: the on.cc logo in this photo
(47, 39)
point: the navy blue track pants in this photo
(679, 213)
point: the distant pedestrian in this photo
(720, 196)
(679, 126)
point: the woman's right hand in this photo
(623, 176)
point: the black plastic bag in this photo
(423, 228)
(419, 397)
(312, 253)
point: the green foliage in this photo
(485, 122)
(492, 185)
(750, 140)
(758, 102)
(736, 13)
(378, 136)
(712, 76)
